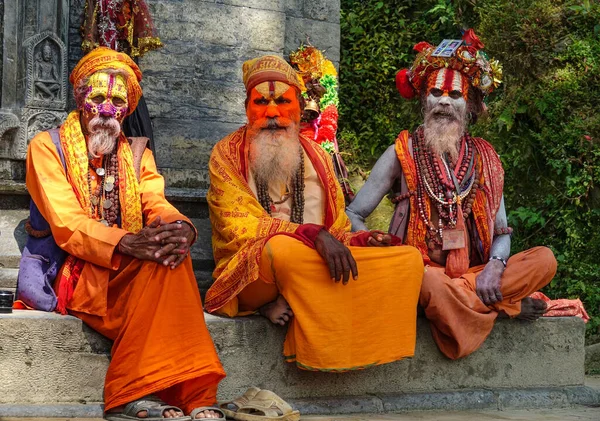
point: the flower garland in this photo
(320, 117)
(320, 120)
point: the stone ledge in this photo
(66, 362)
(501, 400)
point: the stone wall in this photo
(193, 86)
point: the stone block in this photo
(545, 357)
(323, 35)
(12, 236)
(220, 24)
(8, 278)
(322, 10)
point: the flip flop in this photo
(196, 411)
(229, 408)
(266, 406)
(154, 408)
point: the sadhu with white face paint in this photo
(449, 202)
(283, 246)
(128, 273)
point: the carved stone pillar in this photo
(34, 76)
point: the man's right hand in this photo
(337, 256)
(145, 243)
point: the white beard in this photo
(103, 135)
(443, 134)
(274, 155)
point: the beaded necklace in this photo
(104, 200)
(447, 188)
(297, 192)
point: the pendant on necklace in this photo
(108, 186)
(107, 203)
(94, 200)
(100, 171)
(104, 222)
(453, 239)
(110, 179)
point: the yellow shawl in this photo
(241, 227)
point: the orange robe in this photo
(370, 321)
(460, 322)
(152, 313)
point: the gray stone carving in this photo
(46, 72)
(34, 121)
(8, 121)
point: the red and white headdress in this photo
(468, 58)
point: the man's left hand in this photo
(379, 239)
(488, 283)
(175, 244)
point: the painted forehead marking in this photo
(272, 89)
(448, 80)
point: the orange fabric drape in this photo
(460, 322)
(241, 227)
(336, 327)
(161, 343)
(72, 228)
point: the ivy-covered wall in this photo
(544, 120)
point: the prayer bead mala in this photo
(297, 192)
(446, 188)
(104, 201)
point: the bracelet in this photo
(503, 231)
(181, 221)
(498, 258)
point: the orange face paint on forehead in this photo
(273, 99)
(448, 80)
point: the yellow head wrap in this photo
(103, 58)
(270, 68)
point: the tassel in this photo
(65, 287)
(457, 263)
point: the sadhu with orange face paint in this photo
(128, 273)
(449, 202)
(283, 246)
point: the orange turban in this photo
(270, 68)
(103, 58)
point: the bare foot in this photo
(532, 309)
(207, 415)
(278, 311)
(168, 413)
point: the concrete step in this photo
(53, 359)
(8, 278)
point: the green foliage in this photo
(544, 120)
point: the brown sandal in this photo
(196, 411)
(230, 408)
(266, 406)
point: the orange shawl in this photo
(487, 199)
(74, 149)
(241, 227)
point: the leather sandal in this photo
(196, 411)
(155, 409)
(266, 406)
(230, 408)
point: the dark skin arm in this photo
(337, 256)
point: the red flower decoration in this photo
(422, 46)
(472, 40)
(326, 133)
(403, 84)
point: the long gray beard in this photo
(443, 135)
(274, 156)
(103, 135)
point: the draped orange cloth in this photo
(153, 314)
(460, 322)
(370, 321)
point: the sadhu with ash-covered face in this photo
(283, 246)
(128, 273)
(450, 204)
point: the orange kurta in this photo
(370, 321)
(153, 314)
